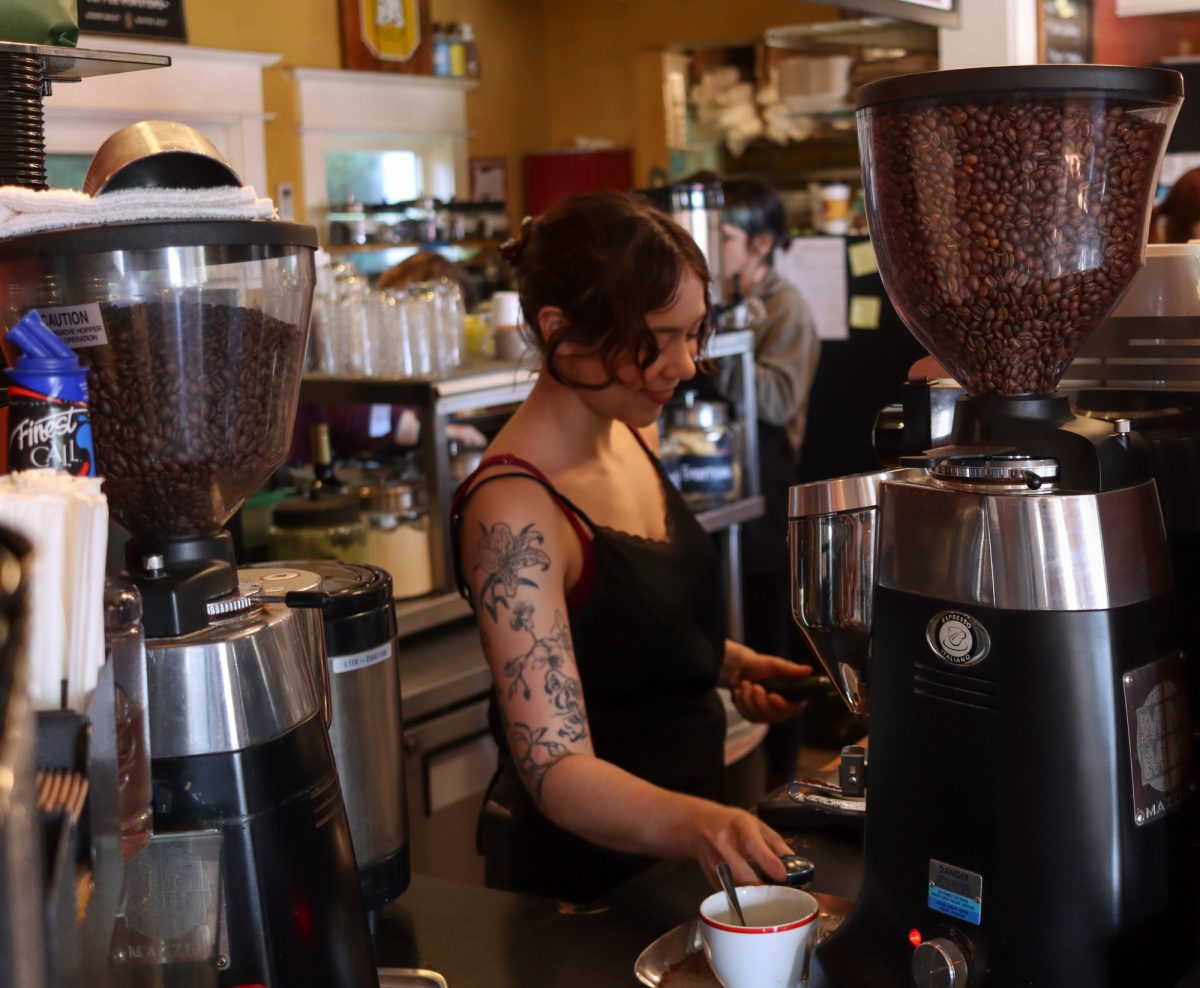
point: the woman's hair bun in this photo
(512, 249)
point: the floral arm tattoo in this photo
(536, 750)
(502, 556)
(545, 666)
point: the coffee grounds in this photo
(191, 408)
(1009, 231)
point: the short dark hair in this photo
(606, 259)
(755, 207)
(1181, 208)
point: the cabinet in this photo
(492, 384)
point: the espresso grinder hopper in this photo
(1003, 604)
(194, 362)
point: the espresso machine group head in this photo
(1003, 603)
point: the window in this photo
(373, 176)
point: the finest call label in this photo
(49, 432)
(957, 638)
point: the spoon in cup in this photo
(726, 878)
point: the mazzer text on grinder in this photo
(1029, 727)
(194, 355)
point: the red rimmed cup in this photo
(774, 948)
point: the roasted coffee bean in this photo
(186, 411)
(1008, 239)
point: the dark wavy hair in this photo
(606, 259)
(755, 207)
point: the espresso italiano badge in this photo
(391, 29)
(957, 638)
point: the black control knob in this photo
(939, 963)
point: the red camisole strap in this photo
(575, 518)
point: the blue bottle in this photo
(48, 423)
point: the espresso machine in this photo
(1002, 603)
(196, 339)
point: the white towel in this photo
(25, 211)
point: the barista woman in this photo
(596, 592)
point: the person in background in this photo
(429, 265)
(786, 351)
(596, 592)
(1177, 218)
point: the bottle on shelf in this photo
(325, 480)
(441, 50)
(470, 52)
(458, 51)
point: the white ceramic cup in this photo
(506, 309)
(774, 948)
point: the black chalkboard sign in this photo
(1064, 31)
(161, 19)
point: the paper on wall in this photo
(817, 267)
(865, 311)
(862, 259)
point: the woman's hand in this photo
(743, 667)
(724, 833)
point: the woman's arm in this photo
(519, 555)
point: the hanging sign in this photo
(391, 29)
(135, 18)
(1064, 31)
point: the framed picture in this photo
(489, 179)
(387, 36)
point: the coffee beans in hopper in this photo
(191, 408)
(1010, 229)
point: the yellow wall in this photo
(553, 70)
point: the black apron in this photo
(649, 641)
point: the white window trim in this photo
(218, 92)
(379, 111)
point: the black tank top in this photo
(648, 623)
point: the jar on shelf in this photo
(704, 447)
(318, 528)
(398, 539)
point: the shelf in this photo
(476, 384)
(866, 32)
(730, 343)
(415, 616)
(721, 517)
(373, 248)
(61, 64)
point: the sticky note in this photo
(862, 259)
(864, 311)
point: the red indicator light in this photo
(914, 937)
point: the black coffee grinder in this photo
(194, 344)
(1020, 654)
